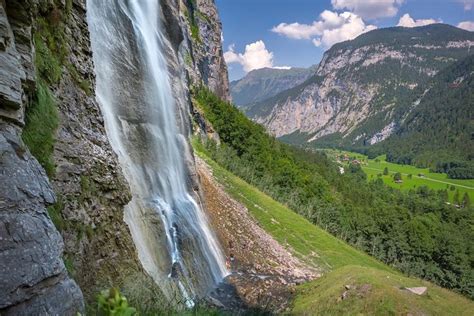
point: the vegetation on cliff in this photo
(42, 120)
(416, 232)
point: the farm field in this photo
(419, 176)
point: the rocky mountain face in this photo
(363, 87)
(34, 277)
(46, 62)
(264, 83)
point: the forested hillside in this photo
(437, 132)
(416, 232)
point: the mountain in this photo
(261, 84)
(437, 130)
(363, 87)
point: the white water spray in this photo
(174, 241)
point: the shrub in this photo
(41, 123)
(113, 303)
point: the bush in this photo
(113, 303)
(41, 123)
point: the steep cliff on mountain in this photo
(48, 108)
(362, 87)
(201, 46)
(34, 278)
(264, 83)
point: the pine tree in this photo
(466, 201)
(385, 171)
(456, 198)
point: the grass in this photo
(54, 212)
(385, 295)
(436, 181)
(341, 263)
(41, 123)
(190, 15)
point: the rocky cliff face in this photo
(34, 278)
(198, 42)
(45, 44)
(362, 87)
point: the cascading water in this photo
(174, 241)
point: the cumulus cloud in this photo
(468, 4)
(256, 56)
(407, 21)
(331, 28)
(467, 25)
(369, 9)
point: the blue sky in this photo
(296, 33)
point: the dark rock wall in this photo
(33, 277)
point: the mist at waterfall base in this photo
(174, 241)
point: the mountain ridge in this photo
(363, 84)
(263, 83)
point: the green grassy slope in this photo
(375, 292)
(342, 263)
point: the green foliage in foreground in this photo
(415, 232)
(113, 303)
(41, 122)
(343, 265)
(310, 243)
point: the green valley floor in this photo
(412, 177)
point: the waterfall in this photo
(174, 241)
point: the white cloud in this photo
(256, 56)
(407, 21)
(369, 9)
(282, 67)
(467, 25)
(331, 28)
(468, 4)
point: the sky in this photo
(295, 33)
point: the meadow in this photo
(419, 176)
